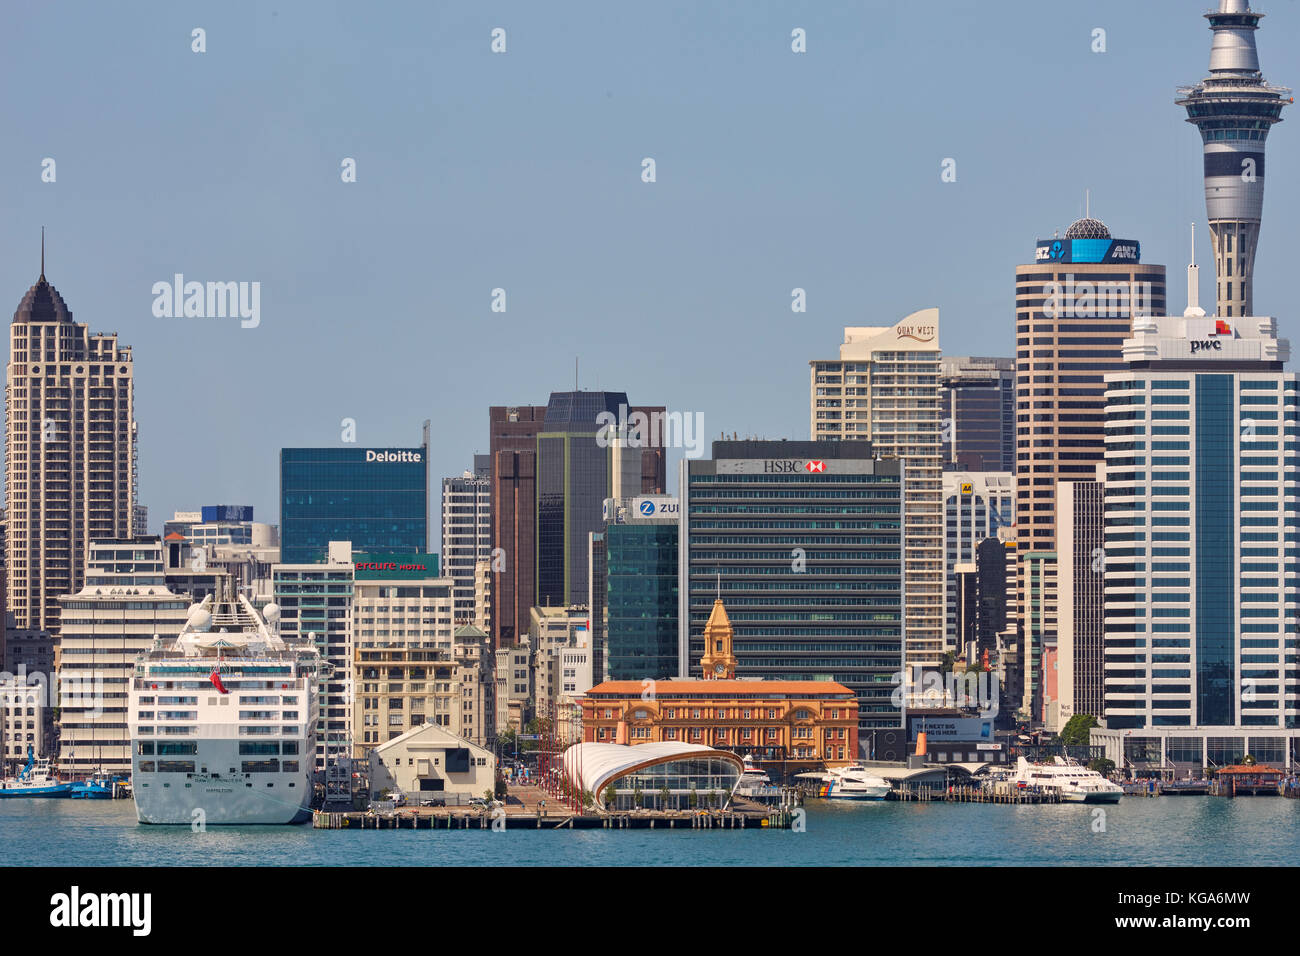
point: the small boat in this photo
(855, 782)
(96, 788)
(36, 779)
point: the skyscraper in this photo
(885, 387)
(1080, 619)
(70, 452)
(803, 543)
(977, 505)
(977, 402)
(466, 532)
(640, 583)
(1074, 307)
(1200, 530)
(376, 498)
(574, 477)
(1234, 108)
(513, 449)
(552, 468)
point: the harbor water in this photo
(1138, 831)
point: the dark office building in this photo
(803, 540)
(977, 401)
(574, 477)
(377, 498)
(550, 477)
(513, 451)
(990, 596)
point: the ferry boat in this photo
(1077, 784)
(752, 779)
(36, 779)
(223, 720)
(855, 782)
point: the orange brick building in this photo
(807, 722)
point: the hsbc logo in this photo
(793, 467)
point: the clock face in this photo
(719, 668)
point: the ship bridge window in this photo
(260, 766)
(175, 766)
(145, 747)
(177, 748)
(147, 766)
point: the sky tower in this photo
(1233, 108)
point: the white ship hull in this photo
(864, 793)
(1081, 796)
(224, 802)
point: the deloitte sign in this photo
(404, 455)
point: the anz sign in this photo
(1088, 250)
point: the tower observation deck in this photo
(1234, 108)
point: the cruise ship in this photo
(223, 720)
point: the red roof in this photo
(1243, 768)
(722, 688)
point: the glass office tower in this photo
(376, 498)
(640, 606)
(803, 541)
(1201, 528)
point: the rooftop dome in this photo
(1087, 229)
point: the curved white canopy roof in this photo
(592, 765)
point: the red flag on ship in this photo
(216, 682)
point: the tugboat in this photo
(34, 780)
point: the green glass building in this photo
(641, 592)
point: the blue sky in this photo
(522, 171)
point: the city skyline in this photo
(447, 210)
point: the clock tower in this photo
(718, 662)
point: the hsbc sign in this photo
(793, 466)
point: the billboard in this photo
(956, 729)
(1111, 251)
(394, 567)
(211, 513)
